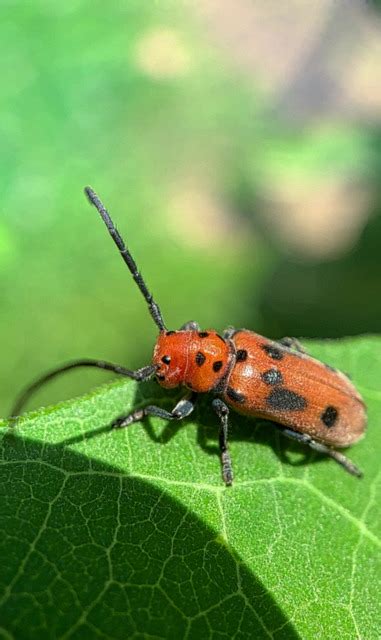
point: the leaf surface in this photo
(131, 533)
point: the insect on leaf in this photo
(131, 532)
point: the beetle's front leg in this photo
(222, 411)
(229, 333)
(191, 325)
(182, 409)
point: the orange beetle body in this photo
(263, 378)
(198, 359)
(311, 402)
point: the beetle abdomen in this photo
(274, 382)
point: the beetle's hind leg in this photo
(222, 411)
(182, 409)
(325, 449)
(292, 343)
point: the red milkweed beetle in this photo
(309, 401)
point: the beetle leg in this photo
(223, 413)
(292, 343)
(323, 448)
(229, 333)
(182, 409)
(190, 326)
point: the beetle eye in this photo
(166, 359)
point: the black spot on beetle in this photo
(169, 333)
(160, 378)
(235, 395)
(203, 334)
(217, 365)
(283, 399)
(241, 355)
(200, 358)
(329, 416)
(166, 359)
(272, 377)
(273, 352)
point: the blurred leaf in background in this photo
(238, 148)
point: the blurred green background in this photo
(238, 148)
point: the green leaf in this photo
(131, 534)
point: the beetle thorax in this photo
(196, 359)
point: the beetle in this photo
(310, 402)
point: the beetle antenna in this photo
(140, 375)
(127, 257)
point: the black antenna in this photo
(145, 373)
(127, 257)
